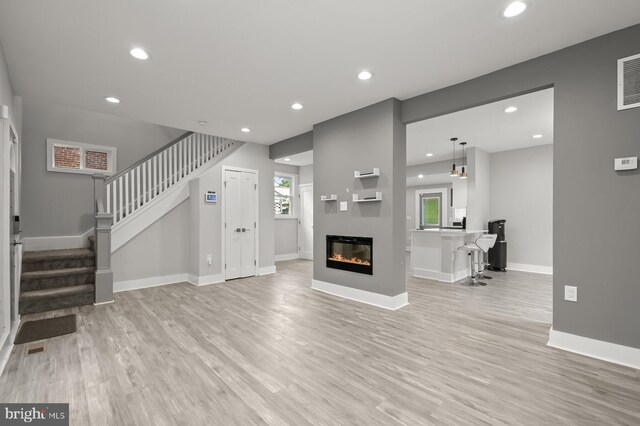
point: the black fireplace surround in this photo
(353, 254)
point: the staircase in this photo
(126, 204)
(56, 279)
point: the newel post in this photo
(102, 244)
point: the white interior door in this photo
(240, 217)
(306, 222)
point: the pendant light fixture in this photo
(463, 173)
(453, 171)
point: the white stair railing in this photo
(139, 185)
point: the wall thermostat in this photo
(628, 163)
(210, 197)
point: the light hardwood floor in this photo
(269, 350)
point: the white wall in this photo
(57, 204)
(306, 174)
(478, 188)
(160, 250)
(522, 193)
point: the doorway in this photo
(305, 233)
(240, 200)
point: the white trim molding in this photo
(380, 300)
(606, 351)
(290, 256)
(205, 280)
(266, 270)
(149, 282)
(537, 269)
(58, 242)
(6, 347)
(439, 276)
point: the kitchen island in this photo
(435, 254)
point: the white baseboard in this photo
(6, 346)
(611, 352)
(375, 299)
(58, 242)
(104, 303)
(149, 282)
(290, 256)
(523, 267)
(438, 276)
(266, 270)
(205, 280)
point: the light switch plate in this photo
(627, 163)
(343, 206)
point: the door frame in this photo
(223, 206)
(304, 185)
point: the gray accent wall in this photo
(291, 146)
(522, 193)
(61, 204)
(595, 208)
(361, 140)
(160, 250)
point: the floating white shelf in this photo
(361, 175)
(332, 197)
(357, 199)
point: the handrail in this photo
(146, 158)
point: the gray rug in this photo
(46, 328)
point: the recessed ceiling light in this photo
(112, 99)
(203, 122)
(537, 136)
(139, 53)
(365, 75)
(514, 9)
(287, 159)
(245, 130)
(297, 106)
(511, 109)
(420, 176)
(430, 155)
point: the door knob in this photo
(245, 229)
(16, 243)
(238, 230)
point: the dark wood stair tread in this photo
(37, 256)
(54, 273)
(56, 292)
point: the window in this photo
(283, 195)
(74, 157)
(430, 210)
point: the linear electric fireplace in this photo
(353, 254)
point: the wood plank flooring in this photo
(269, 350)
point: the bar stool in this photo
(484, 243)
(473, 252)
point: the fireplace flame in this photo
(340, 258)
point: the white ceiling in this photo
(487, 127)
(302, 159)
(435, 179)
(242, 63)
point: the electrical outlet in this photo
(343, 206)
(570, 293)
(209, 259)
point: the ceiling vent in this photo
(629, 82)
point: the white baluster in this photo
(109, 198)
(165, 171)
(144, 182)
